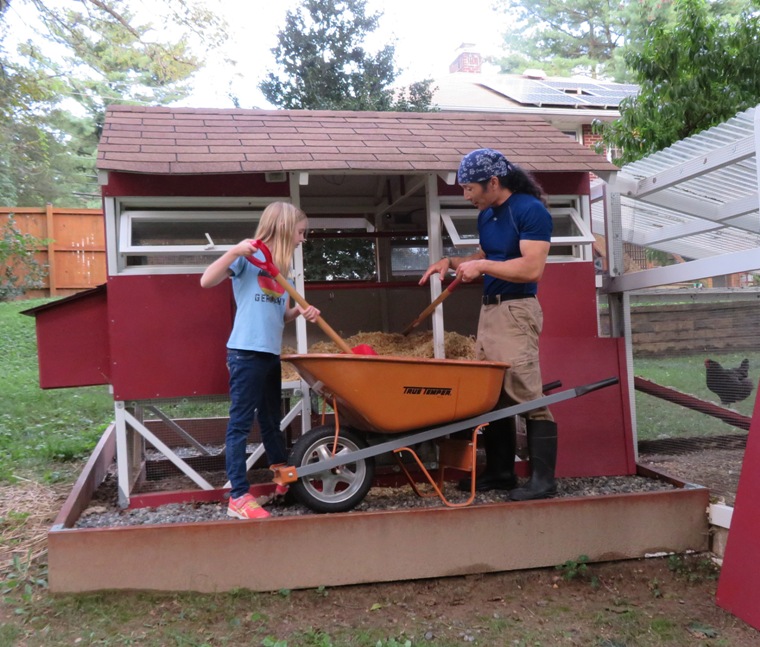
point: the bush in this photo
(21, 271)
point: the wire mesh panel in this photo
(696, 363)
(194, 431)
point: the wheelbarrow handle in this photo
(269, 266)
(429, 310)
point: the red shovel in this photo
(269, 267)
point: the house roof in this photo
(159, 140)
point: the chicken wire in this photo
(194, 430)
(702, 344)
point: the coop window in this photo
(340, 248)
(570, 231)
(185, 232)
(410, 256)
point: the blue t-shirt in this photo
(261, 303)
(521, 217)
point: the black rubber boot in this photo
(542, 449)
(499, 442)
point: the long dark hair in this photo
(520, 181)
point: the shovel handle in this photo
(429, 310)
(269, 266)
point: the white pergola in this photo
(697, 198)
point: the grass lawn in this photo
(657, 418)
(43, 434)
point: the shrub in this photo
(21, 271)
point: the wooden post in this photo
(50, 249)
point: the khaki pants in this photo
(508, 332)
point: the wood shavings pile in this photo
(415, 345)
(26, 511)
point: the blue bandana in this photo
(481, 165)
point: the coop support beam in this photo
(435, 251)
(166, 451)
(178, 430)
(122, 455)
(744, 261)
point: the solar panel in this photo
(565, 92)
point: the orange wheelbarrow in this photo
(388, 404)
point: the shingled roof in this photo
(160, 140)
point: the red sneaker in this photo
(245, 507)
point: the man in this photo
(515, 229)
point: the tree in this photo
(21, 270)
(564, 37)
(693, 74)
(92, 53)
(322, 64)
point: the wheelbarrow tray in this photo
(390, 394)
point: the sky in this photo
(427, 34)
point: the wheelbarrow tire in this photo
(336, 490)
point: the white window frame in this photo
(128, 218)
(559, 205)
(122, 212)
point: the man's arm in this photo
(528, 268)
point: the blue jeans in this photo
(255, 393)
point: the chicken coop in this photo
(181, 185)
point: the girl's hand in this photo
(244, 248)
(310, 314)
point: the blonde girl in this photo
(253, 348)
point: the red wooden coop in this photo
(180, 185)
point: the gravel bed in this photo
(100, 515)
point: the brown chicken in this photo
(729, 384)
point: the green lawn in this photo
(42, 433)
(657, 418)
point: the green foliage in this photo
(694, 73)
(574, 568)
(693, 569)
(347, 259)
(42, 431)
(24, 577)
(565, 38)
(21, 271)
(92, 53)
(322, 63)
(273, 642)
(394, 642)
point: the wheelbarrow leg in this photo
(461, 458)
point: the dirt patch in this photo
(716, 469)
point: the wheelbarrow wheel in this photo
(338, 489)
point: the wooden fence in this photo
(75, 253)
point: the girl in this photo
(253, 348)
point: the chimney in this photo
(468, 60)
